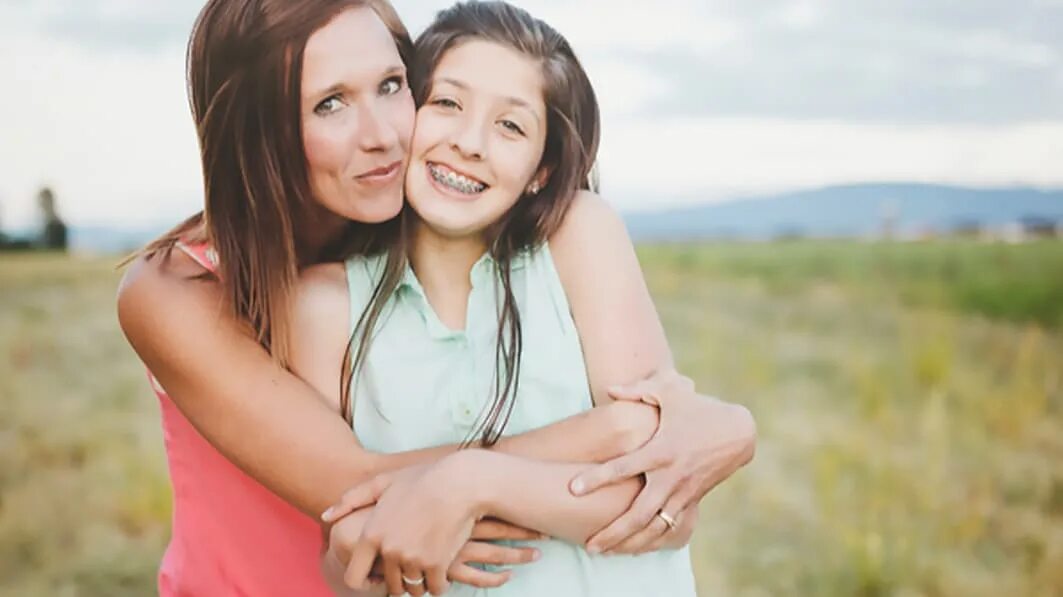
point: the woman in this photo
(216, 341)
(476, 285)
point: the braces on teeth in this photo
(455, 181)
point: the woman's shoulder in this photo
(165, 297)
(161, 282)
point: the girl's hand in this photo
(346, 532)
(423, 518)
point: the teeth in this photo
(455, 181)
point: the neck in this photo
(443, 265)
(320, 228)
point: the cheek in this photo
(430, 128)
(325, 150)
(402, 119)
(521, 163)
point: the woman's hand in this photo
(699, 443)
(423, 517)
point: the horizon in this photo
(148, 229)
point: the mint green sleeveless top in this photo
(425, 385)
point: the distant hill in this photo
(97, 238)
(103, 239)
(845, 211)
(851, 210)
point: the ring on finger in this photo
(413, 581)
(668, 520)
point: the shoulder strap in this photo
(201, 253)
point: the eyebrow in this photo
(390, 71)
(515, 101)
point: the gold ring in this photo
(419, 581)
(668, 520)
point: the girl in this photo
(493, 285)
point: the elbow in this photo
(633, 424)
(745, 427)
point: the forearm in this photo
(314, 474)
(595, 435)
(541, 500)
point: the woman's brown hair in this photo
(573, 126)
(244, 71)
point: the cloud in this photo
(700, 99)
(906, 61)
(903, 61)
(117, 25)
(650, 163)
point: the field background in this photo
(909, 399)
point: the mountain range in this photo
(851, 211)
(839, 211)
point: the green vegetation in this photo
(1022, 283)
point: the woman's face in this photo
(479, 138)
(357, 114)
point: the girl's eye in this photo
(445, 102)
(328, 106)
(512, 126)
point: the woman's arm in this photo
(623, 341)
(621, 335)
(226, 384)
(700, 441)
(320, 332)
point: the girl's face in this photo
(357, 116)
(479, 138)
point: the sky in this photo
(702, 100)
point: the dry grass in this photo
(906, 448)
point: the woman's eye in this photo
(328, 106)
(392, 86)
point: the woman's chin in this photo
(375, 214)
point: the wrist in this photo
(475, 472)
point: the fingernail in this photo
(327, 515)
(577, 487)
(536, 555)
(593, 549)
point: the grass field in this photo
(909, 401)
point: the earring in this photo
(534, 189)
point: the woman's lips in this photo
(382, 174)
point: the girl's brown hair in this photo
(573, 126)
(244, 71)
